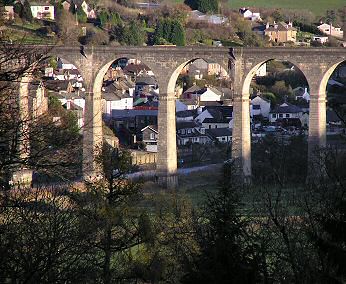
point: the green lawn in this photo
(318, 7)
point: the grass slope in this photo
(318, 7)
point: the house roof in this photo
(116, 113)
(208, 103)
(224, 111)
(332, 116)
(287, 108)
(186, 113)
(73, 106)
(57, 85)
(116, 96)
(255, 96)
(193, 89)
(186, 124)
(135, 68)
(219, 132)
(146, 80)
(151, 127)
(281, 26)
(216, 120)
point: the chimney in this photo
(267, 25)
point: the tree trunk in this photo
(107, 261)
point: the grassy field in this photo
(318, 7)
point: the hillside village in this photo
(141, 23)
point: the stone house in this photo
(281, 32)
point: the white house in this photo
(247, 14)
(302, 93)
(329, 29)
(263, 106)
(210, 95)
(203, 94)
(112, 101)
(286, 111)
(42, 11)
(320, 39)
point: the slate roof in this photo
(281, 26)
(186, 113)
(287, 108)
(224, 111)
(152, 127)
(216, 120)
(133, 112)
(194, 89)
(146, 80)
(135, 68)
(186, 124)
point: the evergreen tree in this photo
(82, 17)
(18, 8)
(26, 12)
(177, 34)
(204, 6)
(169, 31)
(222, 235)
(103, 17)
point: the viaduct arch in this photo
(317, 64)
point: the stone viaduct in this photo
(317, 64)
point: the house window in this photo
(209, 126)
(215, 126)
(287, 115)
(152, 136)
(281, 115)
(46, 8)
(274, 115)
